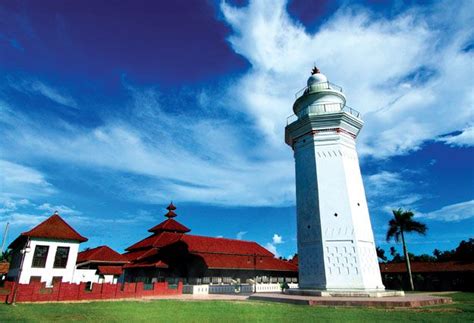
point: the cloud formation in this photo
(19, 181)
(463, 139)
(226, 146)
(404, 74)
(451, 213)
(277, 239)
(240, 235)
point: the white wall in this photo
(48, 272)
(91, 275)
(231, 289)
(85, 275)
(335, 241)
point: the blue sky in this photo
(108, 111)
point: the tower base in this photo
(344, 293)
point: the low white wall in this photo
(275, 287)
(196, 289)
(233, 289)
(85, 275)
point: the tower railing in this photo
(318, 87)
(324, 108)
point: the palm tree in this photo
(402, 223)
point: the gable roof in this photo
(223, 261)
(201, 244)
(224, 246)
(53, 227)
(170, 225)
(100, 254)
(110, 270)
(156, 241)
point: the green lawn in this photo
(225, 311)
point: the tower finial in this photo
(170, 209)
(315, 70)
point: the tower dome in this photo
(316, 77)
(319, 96)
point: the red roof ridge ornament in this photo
(170, 209)
(315, 70)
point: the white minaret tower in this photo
(336, 250)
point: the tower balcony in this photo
(317, 87)
(323, 108)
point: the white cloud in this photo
(18, 181)
(464, 139)
(53, 94)
(231, 150)
(240, 235)
(451, 213)
(272, 248)
(184, 157)
(277, 239)
(61, 209)
(38, 87)
(22, 219)
(383, 183)
(398, 72)
(388, 190)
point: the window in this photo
(88, 286)
(60, 260)
(39, 257)
(35, 279)
(57, 280)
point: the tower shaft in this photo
(336, 248)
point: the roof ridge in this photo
(222, 238)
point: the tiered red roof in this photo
(53, 227)
(101, 254)
(217, 253)
(169, 225)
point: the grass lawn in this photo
(226, 311)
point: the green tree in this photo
(6, 256)
(402, 223)
(381, 254)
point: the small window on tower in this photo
(335, 214)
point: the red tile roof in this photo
(100, 254)
(169, 225)
(224, 246)
(154, 263)
(222, 261)
(425, 267)
(110, 270)
(132, 255)
(294, 260)
(156, 240)
(53, 227)
(216, 252)
(202, 244)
